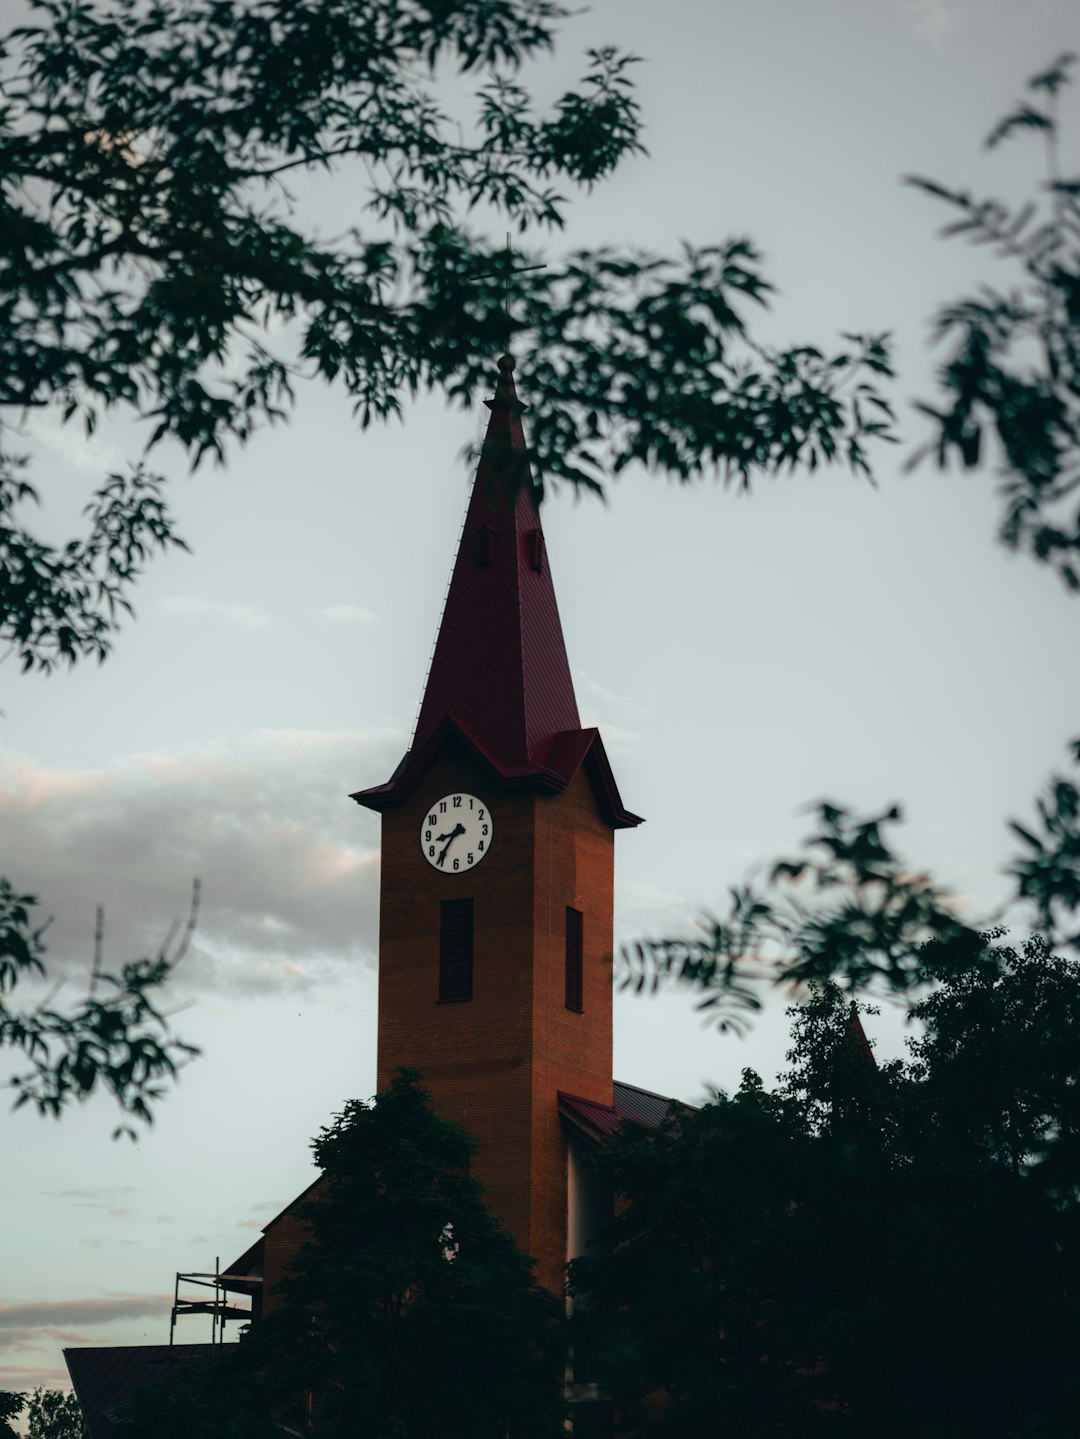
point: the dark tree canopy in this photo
(1013, 367)
(410, 1307)
(865, 1252)
(114, 1040)
(153, 262)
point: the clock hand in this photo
(458, 829)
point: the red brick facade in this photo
(495, 1063)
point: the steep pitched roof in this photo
(499, 678)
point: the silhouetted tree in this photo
(151, 262)
(411, 1313)
(53, 1414)
(870, 1252)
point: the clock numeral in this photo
(433, 819)
(469, 857)
(470, 801)
(457, 801)
(483, 829)
(480, 846)
(480, 813)
(427, 836)
(457, 864)
(431, 850)
(442, 806)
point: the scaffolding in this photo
(218, 1305)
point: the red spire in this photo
(499, 676)
(500, 668)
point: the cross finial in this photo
(508, 271)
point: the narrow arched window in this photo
(455, 950)
(574, 934)
(484, 547)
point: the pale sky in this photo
(743, 656)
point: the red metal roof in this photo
(500, 664)
(499, 677)
(104, 1378)
(639, 1106)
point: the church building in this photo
(497, 887)
(496, 914)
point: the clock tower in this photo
(495, 931)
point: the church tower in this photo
(495, 931)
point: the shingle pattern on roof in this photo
(639, 1106)
(499, 678)
(104, 1378)
(500, 663)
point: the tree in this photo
(115, 1039)
(11, 1406)
(865, 1251)
(849, 908)
(1013, 373)
(53, 1414)
(410, 1305)
(154, 263)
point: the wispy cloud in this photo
(105, 1200)
(70, 443)
(934, 20)
(246, 616)
(14, 1376)
(288, 862)
(347, 615)
(47, 1314)
(108, 1194)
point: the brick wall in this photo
(495, 1064)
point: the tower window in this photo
(574, 923)
(455, 950)
(536, 550)
(484, 547)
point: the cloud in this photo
(103, 1199)
(246, 616)
(933, 20)
(47, 1314)
(611, 713)
(16, 1377)
(107, 1194)
(69, 442)
(15, 1341)
(288, 863)
(347, 615)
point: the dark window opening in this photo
(455, 950)
(574, 924)
(536, 550)
(484, 547)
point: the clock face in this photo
(456, 833)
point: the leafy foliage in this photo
(153, 262)
(53, 1414)
(408, 1289)
(867, 1251)
(848, 910)
(115, 1039)
(11, 1406)
(1014, 363)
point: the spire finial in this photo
(505, 267)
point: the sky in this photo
(743, 656)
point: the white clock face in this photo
(456, 833)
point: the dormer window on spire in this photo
(484, 547)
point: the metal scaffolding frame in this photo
(220, 1307)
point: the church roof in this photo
(638, 1106)
(104, 1378)
(499, 678)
